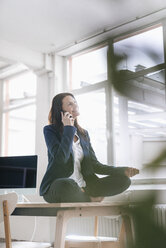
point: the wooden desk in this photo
(65, 211)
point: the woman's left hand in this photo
(130, 172)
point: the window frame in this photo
(152, 180)
(110, 91)
(4, 110)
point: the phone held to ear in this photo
(70, 115)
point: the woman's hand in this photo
(67, 119)
(130, 172)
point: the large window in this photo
(141, 50)
(88, 68)
(140, 110)
(93, 118)
(19, 113)
(87, 81)
(132, 121)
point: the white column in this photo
(123, 132)
(60, 74)
(45, 92)
(48, 85)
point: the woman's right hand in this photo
(67, 119)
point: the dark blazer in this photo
(61, 161)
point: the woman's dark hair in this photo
(54, 116)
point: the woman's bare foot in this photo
(130, 172)
(96, 199)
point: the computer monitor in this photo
(19, 174)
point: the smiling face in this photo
(70, 105)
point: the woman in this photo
(72, 164)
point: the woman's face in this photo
(70, 105)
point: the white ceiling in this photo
(49, 25)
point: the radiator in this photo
(109, 227)
(160, 215)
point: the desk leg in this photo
(61, 224)
(7, 224)
(126, 235)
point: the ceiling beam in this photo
(12, 70)
(17, 54)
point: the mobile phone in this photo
(69, 113)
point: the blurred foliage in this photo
(119, 77)
(156, 163)
(148, 234)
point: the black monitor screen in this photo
(18, 172)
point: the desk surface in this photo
(51, 209)
(70, 205)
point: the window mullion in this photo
(1, 112)
(90, 88)
(109, 111)
(164, 42)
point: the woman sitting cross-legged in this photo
(72, 164)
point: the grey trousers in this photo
(67, 190)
